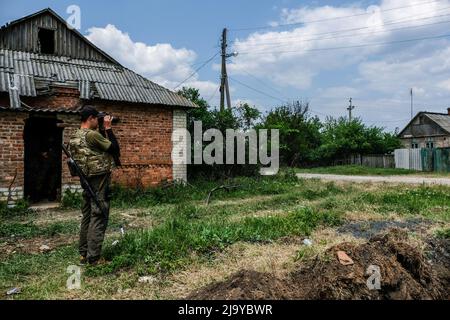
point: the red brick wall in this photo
(11, 147)
(144, 135)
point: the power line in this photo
(271, 96)
(259, 91)
(214, 94)
(263, 82)
(330, 19)
(282, 44)
(349, 47)
(337, 32)
(196, 70)
(175, 69)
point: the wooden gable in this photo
(25, 34)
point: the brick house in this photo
(47, 72)
(427, 130)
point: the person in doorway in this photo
(94, 153)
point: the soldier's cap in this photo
(87, 111)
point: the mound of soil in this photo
(404, 271)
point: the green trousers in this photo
(94, 221)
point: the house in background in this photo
(47, 72)
(427, 130)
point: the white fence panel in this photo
(401, 158)
(415, 160)
(408, 159)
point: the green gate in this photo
(441, 161)
(427, 156)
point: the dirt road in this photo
(388, 179)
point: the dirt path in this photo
(388, 179)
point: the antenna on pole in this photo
(350, 108)
(411, 93)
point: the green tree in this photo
(299, 132)
(242, 117)
(341, 138)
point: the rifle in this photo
(75, 170)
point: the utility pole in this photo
(224, 88)
(411, 92)
(350, 108)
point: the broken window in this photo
(47, 40)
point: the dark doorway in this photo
(42, 140)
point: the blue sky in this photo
(320, 56)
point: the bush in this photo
(71, 199)
(20, 208)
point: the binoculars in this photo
(101, 115)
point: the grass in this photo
(30, 229)
(20, 209)
(172, 244)
(427, 201)
(360, 170)
(443, 233)
(184, 231)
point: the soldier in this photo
(94, 154)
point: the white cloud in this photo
(294, 57)
(161, 62)
(377, 77)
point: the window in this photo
(414, 145)
(46, 40)
(429, 144)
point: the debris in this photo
(146, 279)
(344, 259)
(307, 242)
(122, 231)
(15, 290)
(227, 188)
(44, 248)
(115, 242)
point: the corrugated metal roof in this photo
(443, 120)
(111, 81)
(39, 110)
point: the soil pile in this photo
(404, 273)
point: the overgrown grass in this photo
(51, 269)
(20, 209)
(443, 233)
(30, 229)
(183, 229)
(175, 242)
(423, 200)
(358, 170)
(196, 190)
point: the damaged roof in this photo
(34, 73)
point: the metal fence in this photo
(424, 159)
(370, 160)
(408, 159)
